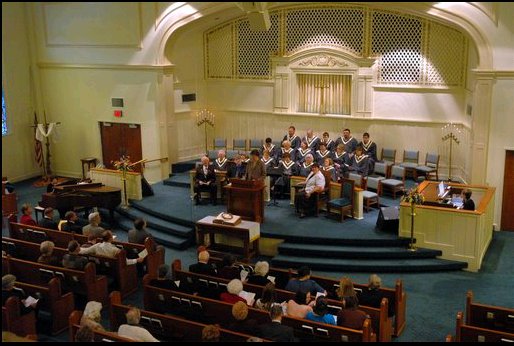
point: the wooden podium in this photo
(246, 199)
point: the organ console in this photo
(69, 196)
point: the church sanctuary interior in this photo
(258, 171)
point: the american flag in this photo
(38, 147)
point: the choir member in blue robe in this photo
(286, 148)
(289, 168)
(267, 159)
(350, 143)
(302, 152)
(269, 146)
(220, 164)
(293, 138)
(328, 166)
(312, 140)
(305, 168)
(340, 157)
(322, 153)
(360, 163)
(370, 149)
(330, 144)
(237, 169)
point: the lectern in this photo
(246, 199)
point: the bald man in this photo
(205, 180)
(312, 140)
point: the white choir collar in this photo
(366, 146)
(288, 151)
(287, 165)
(312, 140)
(345, 142)
(291, 139)
(338, 156)
(266, 162)
(221, 163)
(323, 155)
(360, 158)
(304, 152)
(270, 148)
(329, 168)
(308, 165)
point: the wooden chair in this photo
(345, 202)
(370, 197)
(388, 156)
(397, 181)
(322, 197)
(380, 170)
(220, 143)
(239, 144)
(431, 166)
(256, 144)
(410, 161)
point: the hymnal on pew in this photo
(227, 219)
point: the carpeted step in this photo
(178, 180)
(368, 265)
(157, 223)
(336, 251)
(185, 166)
(160, 237)
(142, 206)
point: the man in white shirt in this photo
(132, 331)
(314, 183)
(107, 248)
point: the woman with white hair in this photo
(47, 248)
(132, 330)
(8, 284)
(260, 274)
(234, 287)
(92, 316)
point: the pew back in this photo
(467, 333)
(489, 316)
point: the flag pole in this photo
(42, 157)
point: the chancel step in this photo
(178, 180)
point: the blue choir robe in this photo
(305, 169)
(300, 154)
(312, 143)
(282, 184)
(360, 165)
(280, 152)
(272, 150)
(295, 141)
(333, 172)
(320, 157)
(370, 149)
(221, 165)
(330, 144)
(270, 162)
(341, 159)
(349, 145)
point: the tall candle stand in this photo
(451, 135)
(205, 117)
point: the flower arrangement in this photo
(413, 197)
(123, 164)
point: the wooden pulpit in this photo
(246, 199)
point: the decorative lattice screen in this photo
(409, 50)
(255, 48)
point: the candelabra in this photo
(451, 135)
(205, 117)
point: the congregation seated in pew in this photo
(72, 224)
(72, 259)
(203, 266)
(48, 219)
(9, 290)
(93, 227)
(162, 280)
(320, 313)
(92, 316)
(240, 322)
(47, 257)
(275, 330)
(26, 215)
(132, 330)
(108, 249)
(304, 283)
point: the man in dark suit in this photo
(47, 221)
(275, 331)
(468, 203)
(203, 266)
(205, 180)
(72, 223)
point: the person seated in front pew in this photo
(26, 215)
(72, 223)
(205, 180)
(302, 152)
(132, 330)
(260, 274)
(94, 225)
(203, 266)
(329, 143)
(286, 148)
(351, 316)
(322, 153)
(270, 147)
(240, 323)
(305, 168)
(108, 249)
(47, 248)
(304, 283)
(73, 260)
(268, 298)
(320, 312)
(228, 269)
(234, 287)
(288, 168)
(138, 234)
(312, 140)
(48, 219)
(238, 169)
(300, 305)
(274, 330)
(372, 295)
(328, 166)
(91, 240)
(163, 280)
(92, 316)
(8, 284)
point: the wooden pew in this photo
(397, 296)
(489, 316)
(13, 321)
(124, 275)
(99, 336)
(466, 333)
(85, 283)
(166, 326)
(51, 299)
(215, 310)
(61, 239)
(380, 322)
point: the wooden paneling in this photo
(121, 139)
(507, 221)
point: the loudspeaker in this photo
(259, 21)
(388, 219)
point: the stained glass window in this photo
(4, 116)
